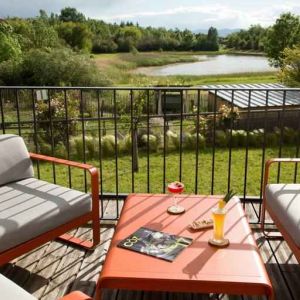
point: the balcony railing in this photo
(142, 138)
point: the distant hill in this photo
(223, 32)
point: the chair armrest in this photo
(272, 161)
(76, 296)
(91, 169)
(65, 162)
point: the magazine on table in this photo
(156, 243)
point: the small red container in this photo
(176, 187)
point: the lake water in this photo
(213, 65)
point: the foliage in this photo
(290, 72)
(251, 39)
(227, 115)
(70, 14)
(108, 145)
(76, 35)
(9, 44)
(59, 67)
(153, 142)
(55, 110)
(284, 33)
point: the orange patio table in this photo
(200, 268)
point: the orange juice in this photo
(219, 220)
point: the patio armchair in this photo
(282, 202)
(33, 211)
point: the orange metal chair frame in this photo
(60, 231)
(266, 206)
(76, 295)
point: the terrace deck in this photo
(55, 269)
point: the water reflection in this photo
(213, 65)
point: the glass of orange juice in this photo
(218, 216)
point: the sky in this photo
(191, 14)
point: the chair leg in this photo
(86, 244)
(267, 235)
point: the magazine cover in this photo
(155, 243)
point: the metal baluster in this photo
(51, 133)
(35, 135)
(181, 136)
(68, 137)
(247, 148)
(148, 145)
(116, 150)
(18, 111)
(197, 142)
(83, 138)
(230, 145)
(2, 112)
(214, 144)
(99, 110)
(281, 134)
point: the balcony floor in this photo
(55, 269)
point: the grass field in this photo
(188, 171)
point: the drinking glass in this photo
(175, 188)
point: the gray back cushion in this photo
(15, 163)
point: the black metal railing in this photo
(142, 138)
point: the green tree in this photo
(54, 67)
(77, 35)
(128, 38)
(70, 14)
(212, 39)
(284, 33)
(290, 72)
(9, 44)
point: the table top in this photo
(237, 268)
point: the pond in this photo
(213, 65)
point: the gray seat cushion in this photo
(284, 199)
(15, 163)
(9, 290)
(31, 207)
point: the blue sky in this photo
(191, 14)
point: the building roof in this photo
(259, 96)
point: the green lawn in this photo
(188, 171)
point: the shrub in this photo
(221, 138)
(271, 139)
(126, 144)
(108, 145)
(289, 135)
(190, 141)
(172, 140)
(53, 67)
(58, 130)
(92, 146)
(153, 142)
(228, 114)
(256, 137)
(76, 145)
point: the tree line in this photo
(71, 28)
(34, 51)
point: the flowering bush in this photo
(55, 111)
(228, 115)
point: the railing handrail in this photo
(154, 88)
